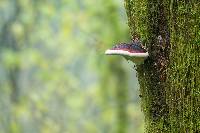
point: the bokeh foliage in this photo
(55, 77)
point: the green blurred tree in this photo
(169, 85)
(54, 75)
(9, 41)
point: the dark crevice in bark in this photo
(155, 66)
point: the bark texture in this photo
(169, 78)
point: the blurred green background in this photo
(54, 76)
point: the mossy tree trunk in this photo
(169, 78)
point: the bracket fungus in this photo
(133, 51)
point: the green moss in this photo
(184, 68)
(169, 79)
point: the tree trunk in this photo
(169, 78)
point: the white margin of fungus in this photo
(122, 52)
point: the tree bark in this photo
(169, 78)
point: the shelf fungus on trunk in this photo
(133, 51)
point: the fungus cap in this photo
(132, 52)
